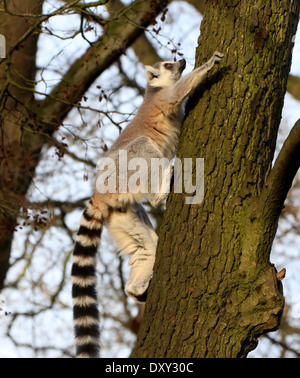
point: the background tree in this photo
(57, 116)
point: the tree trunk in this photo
(214, 290)
(17, 148)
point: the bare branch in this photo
(283, 345)
(293, 86)
(118, 36)
(283, 173)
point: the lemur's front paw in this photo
(137, 293)
(218, 56)
(156, 198)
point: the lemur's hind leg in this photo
(133, 231)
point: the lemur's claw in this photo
(218, 56)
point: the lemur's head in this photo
(164, 74)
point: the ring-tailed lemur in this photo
(153, 133)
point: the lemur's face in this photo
(165, 74)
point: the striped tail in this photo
(84, 283)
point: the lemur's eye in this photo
(168, 66)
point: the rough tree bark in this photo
(214, 290)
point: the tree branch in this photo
(283, 173)
(142, 46)
(293, 86)
(120, 33)
(283, 345)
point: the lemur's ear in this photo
(151, 72)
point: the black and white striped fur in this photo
(84, 281)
